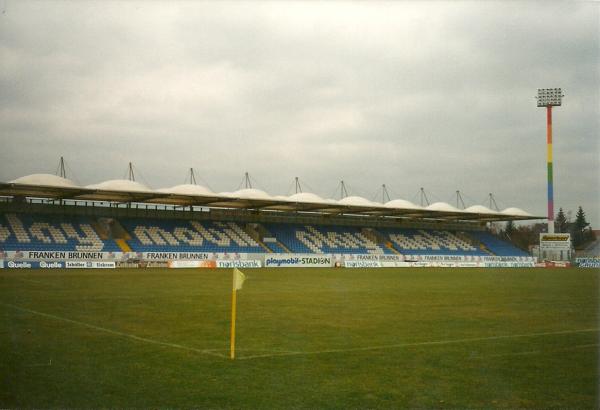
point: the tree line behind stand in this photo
(525, 236)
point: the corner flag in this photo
(238, 281)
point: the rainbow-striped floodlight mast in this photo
(549, 97)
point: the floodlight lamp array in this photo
(549, 97)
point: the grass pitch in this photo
(306, 338)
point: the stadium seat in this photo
(325, 239)
(22, 232)
(151, 235)
(26, 232)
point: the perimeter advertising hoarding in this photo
(121, 256)
(292, 260)
(362, 264)
(588, 262)
(468, 259)
(90, 265)
(1, 264)
(34, 265)
(192, 264)
(242, 264)
(62, 255)
(171, 256)
(59, 264)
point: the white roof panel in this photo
(515, 212)
(401, 204)
(45, 180)
(305, 197)
(480, 209)
(120, 185)
(188, 189)
(356, 201)
(251, 193)
(442, 207)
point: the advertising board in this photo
(238, 264)
(588, 262)
(21, 265)
(292, 260)
(362, 264)
(90, 264)
(172, 256)
(555, 246)
(192, 264)
(63, 255)
(555, 241)
(34, 264)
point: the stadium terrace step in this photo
(122, 244)
(390, 246)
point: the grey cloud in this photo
(433, 94)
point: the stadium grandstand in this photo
(45, 216)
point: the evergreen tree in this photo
(580, 225)
(509, 229)
(560, 223)
(580, 221)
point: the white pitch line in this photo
(530, 352)
(115, 332)
(432, 343)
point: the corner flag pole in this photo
(238, 280)
(233, 306)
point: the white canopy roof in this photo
(480, 209)
(187, 189)
(357, 201)
(120, 185)
(305, 197)
(401, 204)
(515, 212)
(54, 187)
(251, 193)
(442, 206)
(45, 180)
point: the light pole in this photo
(549, 97)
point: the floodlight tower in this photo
(549, 97)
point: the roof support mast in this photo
(384, 194)
(459, 197)
(343, 191)
(247, 181)
(493, 201)
(61, 168)
(192, 177)
(424, 196)
(131, 175)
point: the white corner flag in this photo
(238, 279)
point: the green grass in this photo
(358, 338)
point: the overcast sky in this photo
(437, 95)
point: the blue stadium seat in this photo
(498, 246)
(25, 232)
(164, 235)
(431, 242)
(325, 239)
(30, 232)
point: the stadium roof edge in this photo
(15, 189)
